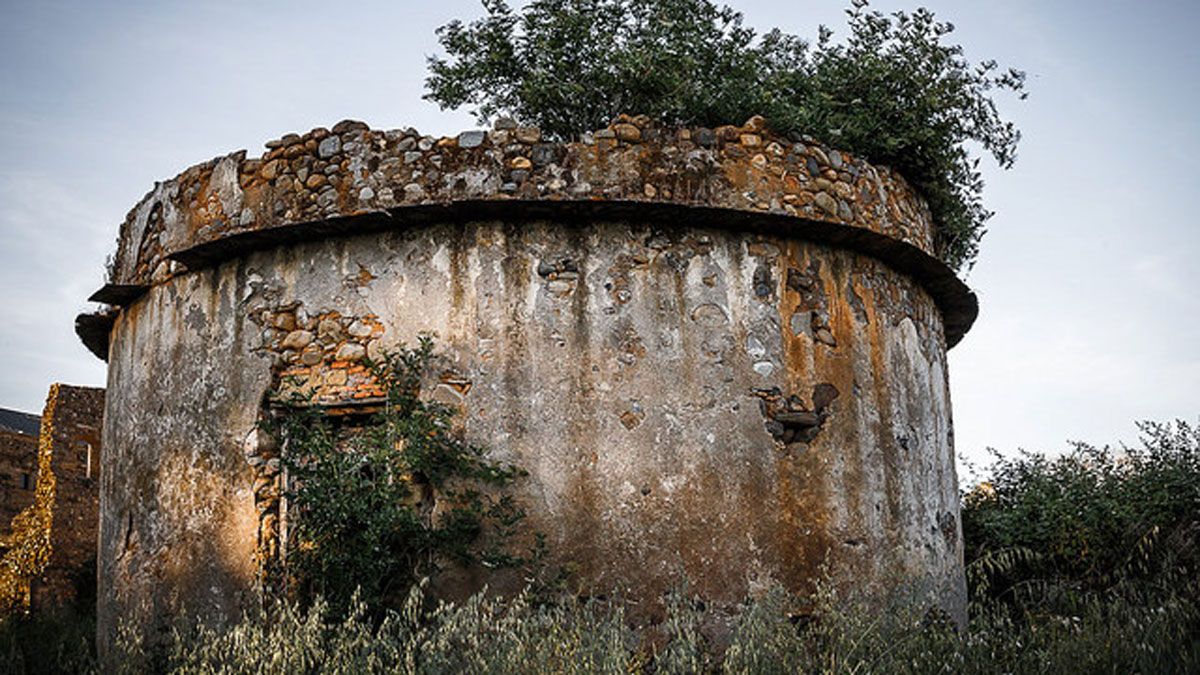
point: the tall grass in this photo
(1082, 564)
(57, 642)
(1112, 634)
(1114, 631)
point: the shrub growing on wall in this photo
(378, 504)
(893, 91)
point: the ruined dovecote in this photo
(718, 353)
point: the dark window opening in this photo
(26, 482)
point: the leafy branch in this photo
(894, 91)
(382, 502)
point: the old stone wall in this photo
(18, 470)
(354, 170)
(50, 561)
(76, 423)
(353, 177)
(708, 369)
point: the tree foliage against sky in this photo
(894, 90)
(1094, 518)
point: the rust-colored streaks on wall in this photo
(736, 375)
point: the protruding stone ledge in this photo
(93, 331)
(118, 294)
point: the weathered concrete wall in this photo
(637, 370)
(719, 353)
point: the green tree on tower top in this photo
(893, 91)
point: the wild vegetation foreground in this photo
(1084, 563)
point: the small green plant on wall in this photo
(376, 504)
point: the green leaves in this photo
(378, 503)
(893, 91)
(1098, 519)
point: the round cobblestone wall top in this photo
(354, 178)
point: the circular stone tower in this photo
(719, 354)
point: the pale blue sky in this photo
(1088, 278)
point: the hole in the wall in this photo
(427, 498)
(764, 285)
(790, 420)
(129, 532)
(948, 525)
(84, 450)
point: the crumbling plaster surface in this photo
(176, 499)
(635, 368)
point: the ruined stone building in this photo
(719, 353)
(50, 522)
(18, 467)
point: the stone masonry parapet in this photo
(353, 170)
(352, 177)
